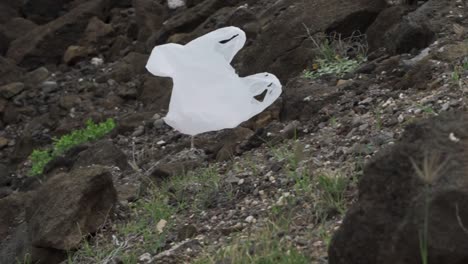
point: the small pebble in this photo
(250, 219)
(145, 257)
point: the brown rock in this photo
(9, 90)
(74, 54)
(18, 27)
(3, 142)
(36, 77)
(186, 231)
(133, 64)
(102, 153)
(130, 122)
(127, 92)
(117, 47)
(302, 100)
(137, 62)
(96, 30)
(69, 101)
(122, 72)
(156, 92)
(70, 205)
(235, 137)
(9, 71)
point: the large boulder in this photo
(407, 29)
(42, 226)
(284, 39)
(413, 200)
(70, 205)
(9, 72)
(47, 43)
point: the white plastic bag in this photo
(208, 95)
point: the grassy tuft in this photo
(337, 55)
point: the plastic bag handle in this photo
(260, 82)
(226, 42)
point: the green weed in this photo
(334, 57)
(198, 189)
(338, 67)
(332, 188)
(39, 158)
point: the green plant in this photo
(334, 57)
(423, 234)
(432, 167)
(338, 67)
(332, 188)
(333, 122)
(198, 190)
(39, 158)
(27, 259)
(379, 120)
(456, 74)
(91, 132)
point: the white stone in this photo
(174, 4)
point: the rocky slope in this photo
(364, 167)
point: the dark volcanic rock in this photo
(303, 100)
(43, 11)
(421, 181)
(9, 72)
(47, 43)
(102, 153)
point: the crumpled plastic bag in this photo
(208, 95)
